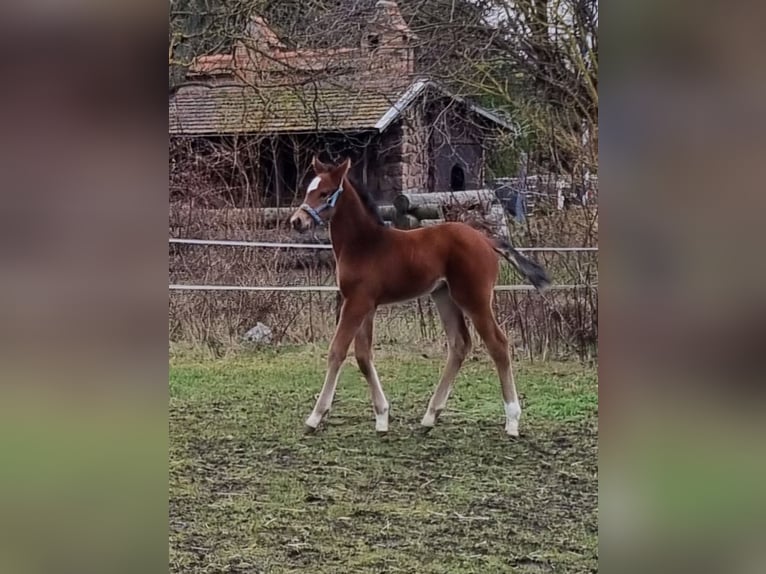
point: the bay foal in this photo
(454, 263)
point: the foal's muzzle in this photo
(300, 221)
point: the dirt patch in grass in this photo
(249, 492)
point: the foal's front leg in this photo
(363, 351)
(352, 314)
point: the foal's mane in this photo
(367, 201)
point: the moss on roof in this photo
(202, 110)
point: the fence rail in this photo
(277, 245)
(334, 288)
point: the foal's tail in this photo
(528, 268)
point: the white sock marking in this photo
(381, 421)
(379, 402)
(512, 416)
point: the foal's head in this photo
(321, 194)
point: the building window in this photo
(457, 178)
(373, 42)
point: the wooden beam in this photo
(428, 208)
(407, 201)
(278, 216)
(497, 218)
(277, 175)
(427, 211)
(406, 221)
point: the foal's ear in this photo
(318, 166)
(341, 171)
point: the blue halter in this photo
(314, 212)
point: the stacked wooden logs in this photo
(410, 210)
(270, 217)
(478, 207)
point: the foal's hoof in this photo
(429, 419)
(312, 423)
(512, 430)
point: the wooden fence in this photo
(411, 210)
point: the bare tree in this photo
(535, 59)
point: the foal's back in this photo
(413, 263)
(453, 243)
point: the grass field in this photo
(250, 492)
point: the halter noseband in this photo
(314, 212)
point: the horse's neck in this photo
(350, 225)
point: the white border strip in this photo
(251, 243)
(333, 288)
(328, 246)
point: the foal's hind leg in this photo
(363, 352)
(458, 345)
(477, 303)
(497, 345)
(352, 314)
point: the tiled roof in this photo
(203, 110)
(238, 109)
(212, 64)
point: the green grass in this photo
(250, 492)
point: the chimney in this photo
(389, 24)
(251, 53)
(388, 44)
(258, 37)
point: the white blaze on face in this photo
(313, 185)
(301, 215)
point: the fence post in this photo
(338, 305)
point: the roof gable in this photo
(419, 88)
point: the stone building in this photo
(401, 129)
